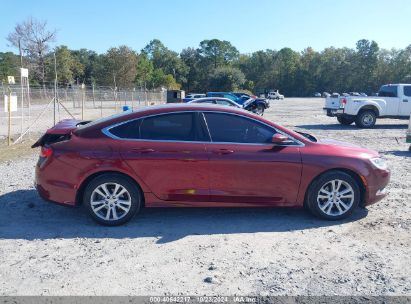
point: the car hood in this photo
(348, 147)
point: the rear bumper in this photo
(332, 112)
(50, 185)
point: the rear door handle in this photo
(143, 150)
(405, 100)
(223, 151)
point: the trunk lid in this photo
(60, 132)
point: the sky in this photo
(250, 25)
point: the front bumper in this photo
(376, 186)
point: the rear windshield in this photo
(100, 120)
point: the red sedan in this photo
(189, 155)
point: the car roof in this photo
(211, 98)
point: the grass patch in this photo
(16, 151)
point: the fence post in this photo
(82, 101)
(94, 100)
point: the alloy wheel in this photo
(110, 201)
(335, 197)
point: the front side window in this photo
(175, 126)
(407, 91)
(388, 91)
(237, 129)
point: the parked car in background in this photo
(246, 97)
(345, 94)
(326, 94)
(354, 94)
(317, 94)
(256, 106)
(217, 101)
(194, 155)
(275, 95)
(363, 94)
(192, 96)
(335, 95)
(393, 101)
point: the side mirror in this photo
(279, 139)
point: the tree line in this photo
(215, 65)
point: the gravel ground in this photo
(47, 249)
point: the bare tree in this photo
(34, 39)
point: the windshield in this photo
(308, 136)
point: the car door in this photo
(167, 153)
(245, 167)
(405, 102)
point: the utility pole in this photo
(55, 89)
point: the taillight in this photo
(46, 152)
(344, 101)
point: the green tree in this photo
(9, 64)
(120, 66)
(166, 60)
(218, 52)
(67, 65)
(226, 79)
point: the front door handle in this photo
(143, 150)
(405, 100)
(223, 151)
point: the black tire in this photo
(133, 195)
(345, 120)
(366, 119)
(314, 202)
(259, 110)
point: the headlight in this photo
(379, 163)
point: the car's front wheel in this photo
(333, 196)
(112, 199)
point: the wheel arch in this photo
(371, 107)
(350, 172)
(86, 181)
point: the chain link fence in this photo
(37, 111)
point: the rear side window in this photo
(237, 129)
(407, 91)
(178, 127)
(127, 130)
(388, 91)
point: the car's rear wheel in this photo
(366, 119)
(333, 196)
(112, 199)
(345, 120)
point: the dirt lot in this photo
(52, 250)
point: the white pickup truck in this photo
(393, 101)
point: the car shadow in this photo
(350, 127)
(399, 153)
(26, 216)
